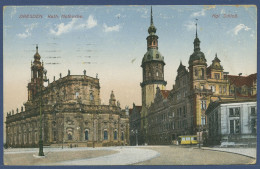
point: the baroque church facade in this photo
(72, 114)
(167, 114)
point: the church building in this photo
(72, 114)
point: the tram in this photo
(189, 139)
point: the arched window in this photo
(69, 136)
(105, 135)
(86, 135)
(115, 135)
(77, 94)
(196, 72)
(54, 135)
(122, 136)
(202, 73)
(153, 42)
(91, 97)
(157, 73)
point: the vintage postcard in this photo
(129, 85)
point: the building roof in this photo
(240, 81)
(152, 55)
(215, 104)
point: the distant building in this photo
(135, 125)
(71, 111)
(161, 119)
(232, 122)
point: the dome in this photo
(152, 54)
(37, 55)
(197, 55)
(152, 29)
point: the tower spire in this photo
(36, 48)
(196, 28)
(151, 15)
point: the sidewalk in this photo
(250, 152)
(125, 156)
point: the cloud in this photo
(111, 28)
(190, 26)
(91, 22)
(73, 24)
(62, 28)
(28, 30)
(240, 27)
(200, 13)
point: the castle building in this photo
(72, 113)
(153, 74)
(232, 122)
(167, 114)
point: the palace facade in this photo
(167, 114)
(71, 110)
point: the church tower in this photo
(153, 67)
(37, 71)
(153, 72)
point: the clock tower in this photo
(153, 72)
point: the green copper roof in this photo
(197, 55)
(152, 54)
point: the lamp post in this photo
(78, 135)
(93, 132)
(136, 138)
(40, 135)
(62, 132)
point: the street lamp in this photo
(136, 138)
(40, 135)
(93, 132)
(78, 135)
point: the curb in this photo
(228, 152)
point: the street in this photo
(135, 155)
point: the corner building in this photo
(72, 114)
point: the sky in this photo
(111, 41)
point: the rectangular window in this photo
(237, 112)
(253, 126)
(235, 126)
(224, 89)
(231, 112)
(203, 120)
(203, 104)
(232, 131)
(253, 112)
(213, 88)
(216, 75)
